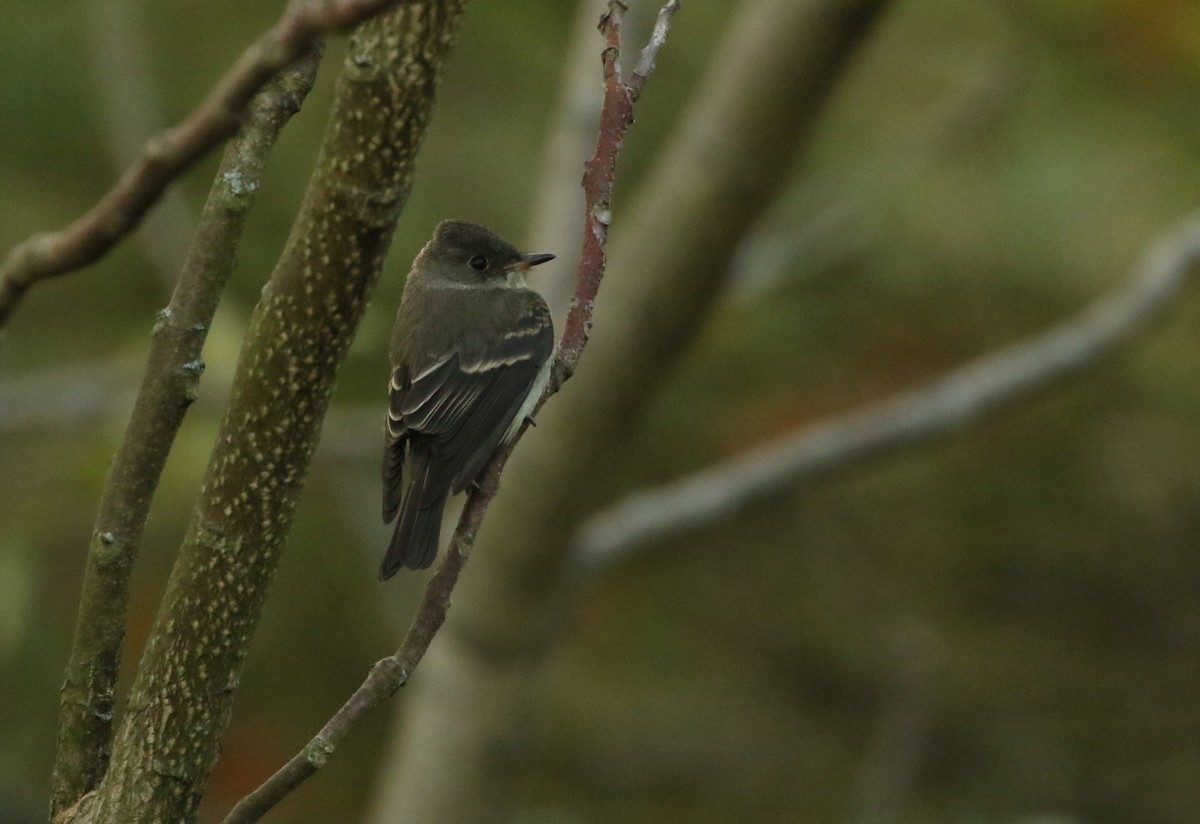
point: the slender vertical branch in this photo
(387, 675)
(390, 673)
(168, 388)
(171, 152)
(616, 115)
(301, 329)
(557, 210)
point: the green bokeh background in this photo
(1001, 627)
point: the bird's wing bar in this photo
(461, 403)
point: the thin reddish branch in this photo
(385, 677)
(390, 673)
(171, 152)
(616, 117)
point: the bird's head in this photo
(468, 255)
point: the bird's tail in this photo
(415, 542)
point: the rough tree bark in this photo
(301, 329)
(718, 171)
(169, 387)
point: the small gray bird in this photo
(470, 359)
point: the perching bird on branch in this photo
(470, 358)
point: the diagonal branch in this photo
(958, 400)
(390, 673)
(168, 388)
(170, 153)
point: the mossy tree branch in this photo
(168, 388)
(300, 331)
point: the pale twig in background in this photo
(130, 110)
(818, 228)
(557, 214)
(886, 778)
(66, 397)
(952, 403)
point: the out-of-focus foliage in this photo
(1000, 627)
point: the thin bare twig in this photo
(958, 400)
(758, 100)
(388, 674)
(645, 66)
(171, 152)
(393, 671)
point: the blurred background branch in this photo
(558, 210)
(66, 396)
(958, 400)
(133, 111)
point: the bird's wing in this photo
(461, 403)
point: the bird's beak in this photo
(525, 261)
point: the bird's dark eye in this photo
(477, 263)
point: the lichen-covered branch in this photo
(300, 331)
(170, 153)
(390, 673)
(957, 400)
(168, 388)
